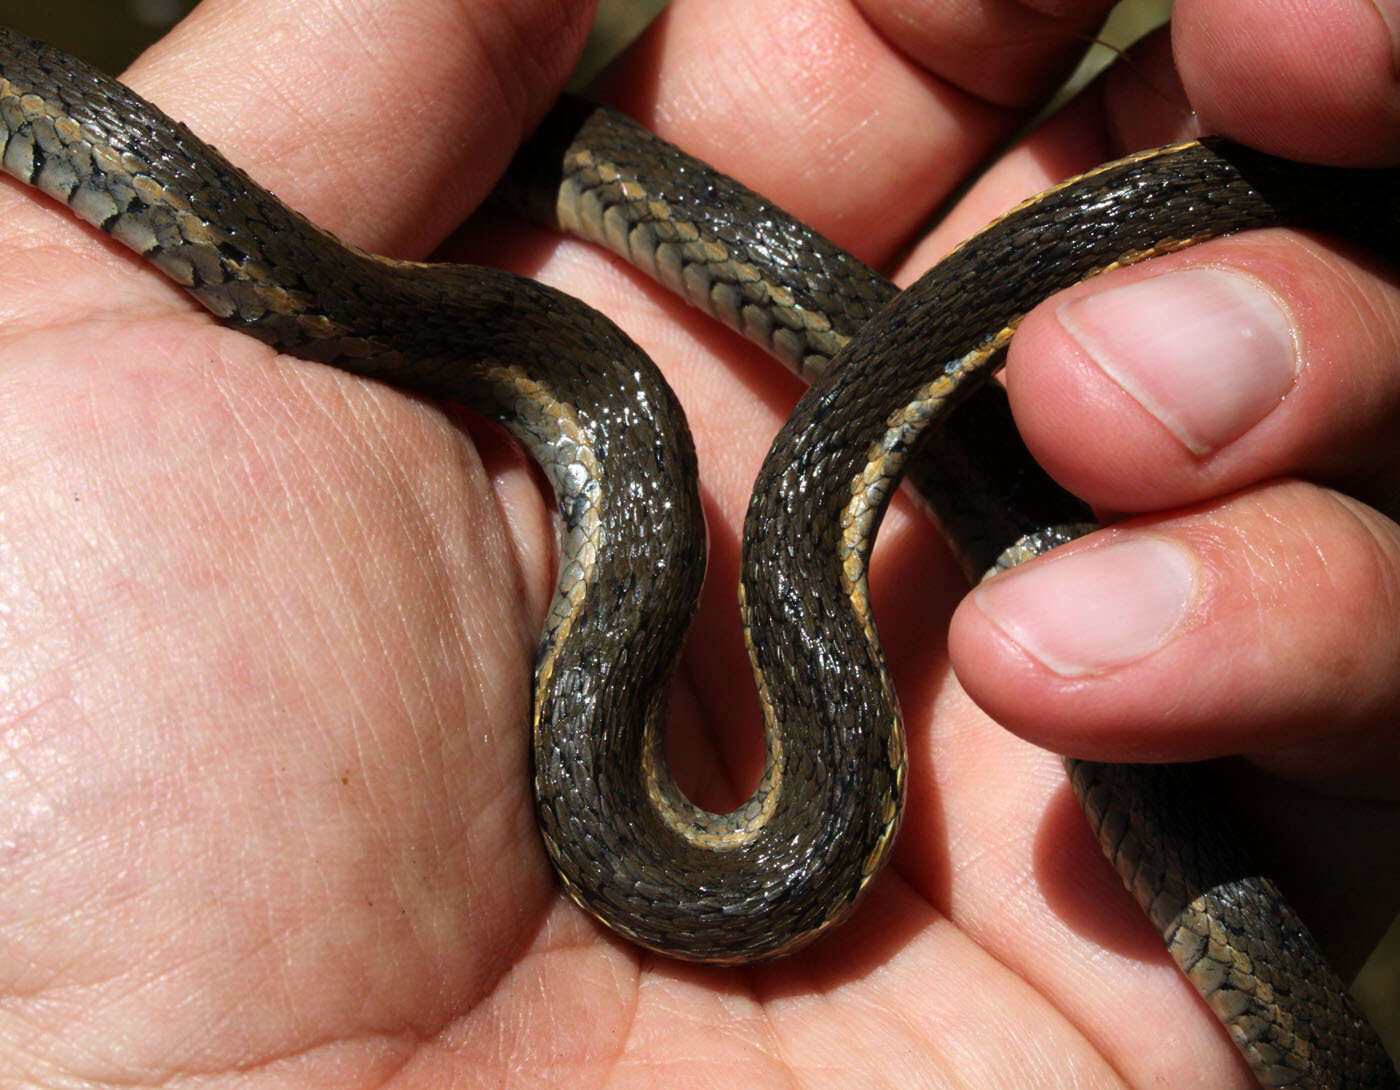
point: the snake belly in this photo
(592, 409)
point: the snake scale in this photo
(593, 410)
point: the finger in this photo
(1270, 355)
(1263, 624)
(1249, 358)
(857, 118)
(382, 123)
(1329, 68)
(1313, 81)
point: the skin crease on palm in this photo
(266, 630)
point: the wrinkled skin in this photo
(266, 630)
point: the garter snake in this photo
(602, 422)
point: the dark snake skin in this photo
(592, 409)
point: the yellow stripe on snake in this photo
(593, 410)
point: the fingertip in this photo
(1050, 648)
(1261, 624)
(1008, 59)
(386, 127)
(1096, 609)
(797, 100)
(1262, 355)
(1326, 74)
(1083, 416)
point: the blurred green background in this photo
(110, 33)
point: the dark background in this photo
(110, 33)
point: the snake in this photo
(899, 389)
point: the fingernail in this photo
(1389, 11)
(1097, 608)
(1209, 353)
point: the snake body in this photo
(594, 411)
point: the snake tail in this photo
(1290, 1014)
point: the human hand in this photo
(397, 850)
(267, 639)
